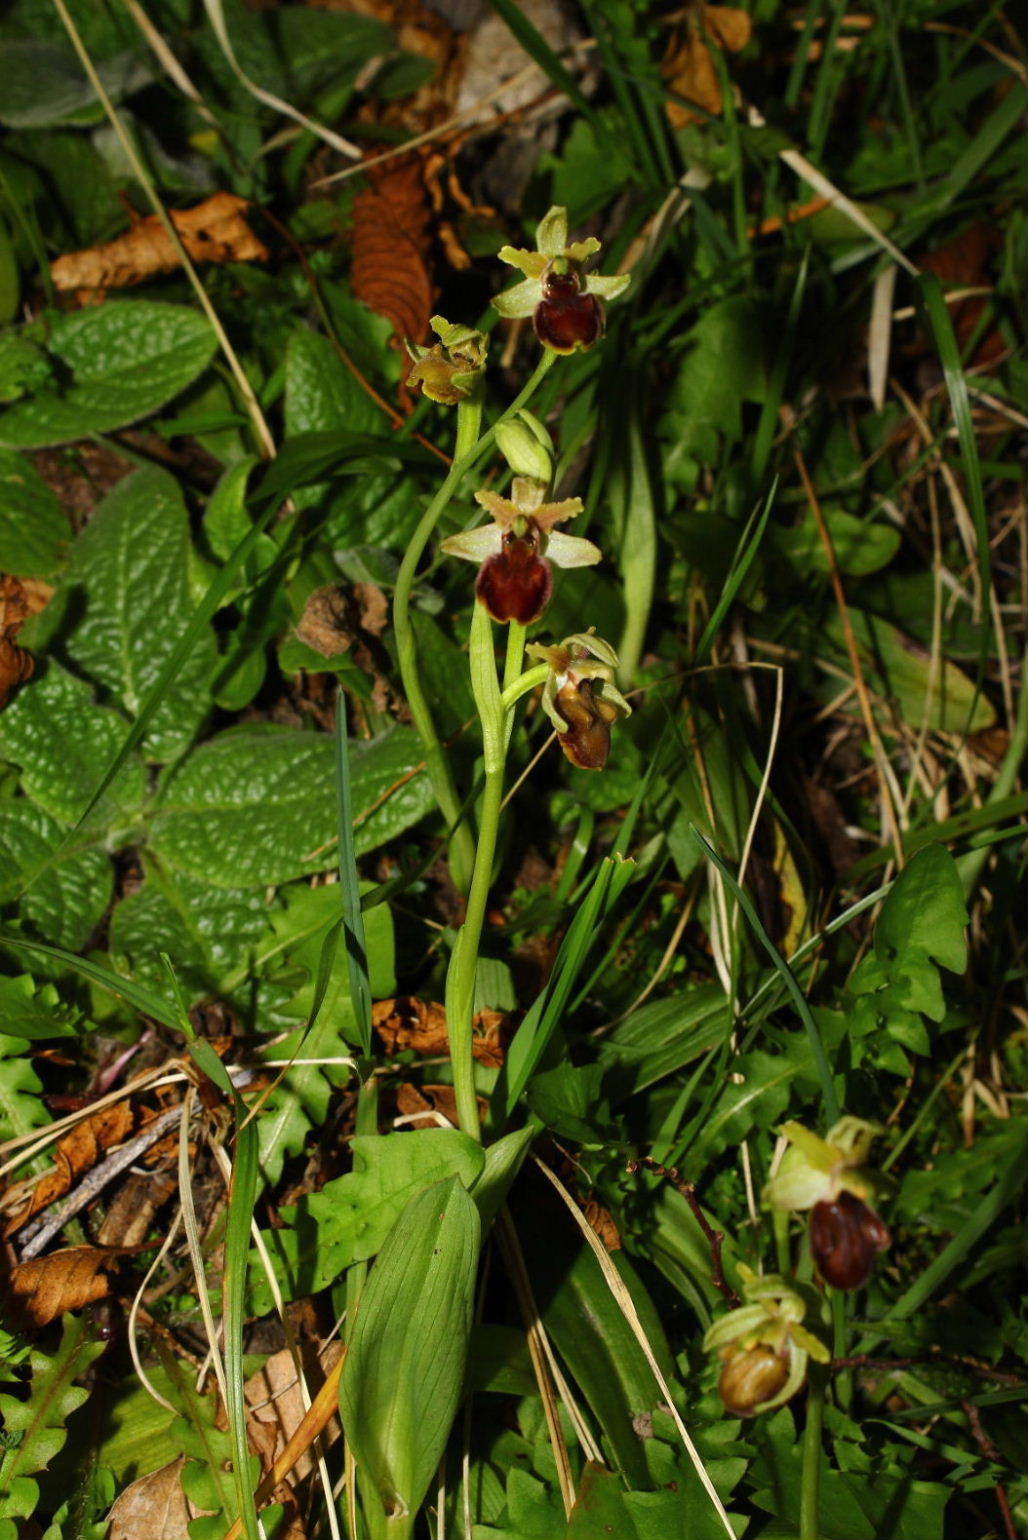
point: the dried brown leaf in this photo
(153, 1508)
(420, 1025)
(601, 1221)
(391, 243)
(77, 1153)
(277, 1408)
(689, 67)
(16, 665)
(41, 1290)
(19, 598)
(214, 231)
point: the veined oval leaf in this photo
(125, 359)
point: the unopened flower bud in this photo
(526, 447)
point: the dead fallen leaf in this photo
(688, 66)
(153, 1508)
(408, 1023)
(273, 1395)
(16, 665)
(422, 1103)
(214, 231)
(19, 598)
(391, 247)
(326, 624)
(77, 1153)
(41, 1290)
(373, 606)
(129, 1217)
(601, 1221)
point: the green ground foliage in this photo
(646, 1119)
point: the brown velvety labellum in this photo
(750, 1377)
(516, 583)
(846, 1236)
(587, 740)
(565, 318)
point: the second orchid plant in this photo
(515, 553)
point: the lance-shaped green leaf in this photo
(404, 1373)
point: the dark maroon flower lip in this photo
(516, 584)
(846, 1236)
(566, 319)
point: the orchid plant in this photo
(515, 552)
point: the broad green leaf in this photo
(209, 931)
(925, 911)
(24, 366)
(404, 1373)
(45, 85)
(860, 547)
(138, 1430)
(41, 1417)
(323, 396)
(760, 1097)
(34, 533)
(663, 1036)
(570, 1101)
(592, 1335)
(916, 691)
(920, 928)
(132, 563)
(302, 927)
(31, 1011)
(125, 359)
(60, 740)
(348, 1220)
(67, 900)
(679, 1510)
(21, 1090)
(853, 1505)
(722, 366)
(257, 805)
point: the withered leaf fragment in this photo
(214, 231)
(420, 1025)
(41, 1290)
(689, 68)
(19, 599)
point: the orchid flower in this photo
(580, 697)
(565, 304)
(516, 550)
(828, 1176)
(448, 371)
(763, 1346)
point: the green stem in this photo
(468, 450)
(810, 1489)
(462, 850)
(842, 1385)
(460, 979)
